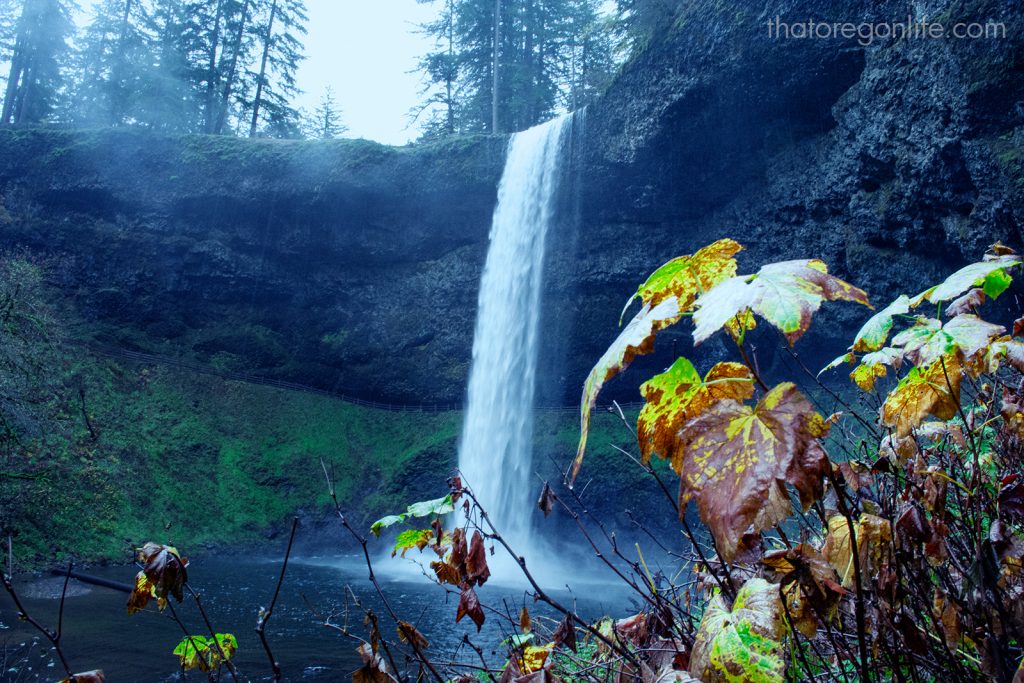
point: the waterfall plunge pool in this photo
(98, 633)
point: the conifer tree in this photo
(325, 123)
(39, 51)
(441, 69)
(110, 64)
(168, 97)
(277, 33)
(504, 65)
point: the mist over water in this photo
(496, 449)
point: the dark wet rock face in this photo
(894, 163)
(344, 265)
(353, 266)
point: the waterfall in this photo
(495, 453)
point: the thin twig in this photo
(265, 614)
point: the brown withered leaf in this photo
(374, 670)
(898, 449)
(455, 488)
(679, 394)
(458, 554)
(856, 474)
(947, 613)
(546, 502)
(525, 625)
(912, 528)
(967, 303)
(1018, 327)
(1011, 499)
(477, 571)
(634, 629)
(446, 573)
(935, 486)
(736, 460)
(809, 587)
(86, 677)
(438, 528)
(565, 634)
(408, 633)
(165, 568)
(469, 605)
(874, 540)
(141, 595)
(934, 390)
(1012, 412)
(935, 549)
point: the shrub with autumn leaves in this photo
(883, 542)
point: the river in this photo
(99, 634)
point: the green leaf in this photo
(687, 276)
(997, 282)
(929, 339)
(737, 460)
(873, 335)
(430, 508)
(412, 538)
(635, 340)
(426, 508)
(744, 643)
(200, 652)
(990, 275)
(679, 394)
(786, 294)
(385, 522)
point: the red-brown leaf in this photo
(469, 605)
(446, 573)
(547, 499)
(408, 633)
(165, 569)
(476, 562)
(737, 460)
(565, 634)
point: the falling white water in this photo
(495, 453)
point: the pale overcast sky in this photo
(365, 50)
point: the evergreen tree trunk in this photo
(449, 83)
(14, 80)
(229, 79)
(494, 67)
(117, 76)
(263, 70)
(212, 78)
(23, 98)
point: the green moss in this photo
(194, 459)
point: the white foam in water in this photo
(495, 452)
